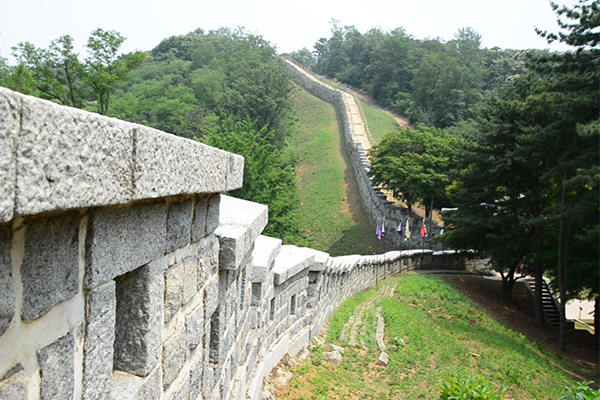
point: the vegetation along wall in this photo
(357, 142)
(125, 273)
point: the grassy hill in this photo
(437, 339)
(332, 215)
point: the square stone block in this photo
(57, 369)
(50, 271)
(121, 239)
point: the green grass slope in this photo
(436, 337)
(332, 215)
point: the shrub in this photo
(466, 388)
(581, 391)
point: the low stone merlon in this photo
(58, 158)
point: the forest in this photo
(507, 138)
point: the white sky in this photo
(289, 25)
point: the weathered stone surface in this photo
(57, 369)
(173, 289)
(50, 270)
(240, 223)
(194, 324)
(190, 279)
(195, 378)
(244, 213)
(130, 387)
(120, 240)
(199, 218)
(173, 355)
(166, 164)
(183, 391)
(211, 297)
(217, 334)
(69, 158)
(179, 224)
(99, 342)
(10, 109)
(7, 300)
(383, 359)
(213, 213)
(320, 262)
(291, 260)
(138, 328)
(333, 357)
(265, 251)
(13, 385)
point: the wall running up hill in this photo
(125, 274)
(374, 201)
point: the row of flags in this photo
(403, 229)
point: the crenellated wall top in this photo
(54, 157)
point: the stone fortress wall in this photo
(356, 137)
(125, 274)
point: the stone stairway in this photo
(549, 304)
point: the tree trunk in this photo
(562, 269)
(508, 280)
(597, 321)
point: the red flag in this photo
(423, 229)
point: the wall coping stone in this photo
(291, 260)
(54, 157)
(265, 251)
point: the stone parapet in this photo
(58, 158)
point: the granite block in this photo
(69, 158)
(121, 239)
(57, 369)
(10, 123)
(138, 327)
(99, 342)
(179, 224)
(50, 271)
(7, 300)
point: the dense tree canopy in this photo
(429, 81)
(535, 165)
(415, 164)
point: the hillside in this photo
(435, 337)
(332, 215)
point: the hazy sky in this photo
(289, 25)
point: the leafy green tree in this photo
(574, 81)
(105, 66)
(304, 57)
(268, 178)
(415, 164)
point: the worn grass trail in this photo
(356, 328)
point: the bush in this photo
(581, 391)
(467, 388)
